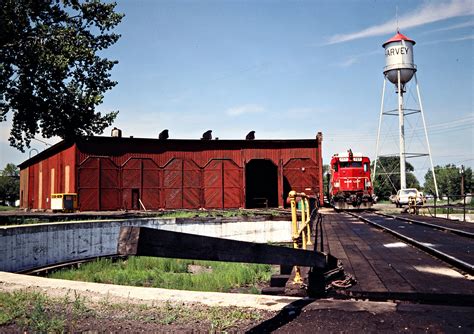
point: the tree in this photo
(326, 173)
(9, 183)
(51, 76)
(387, 179)
(448, 179)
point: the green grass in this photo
(171, 274)
(34, 312)
(219, 213)
(31, 311)
(7, 208)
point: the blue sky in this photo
(288, 69)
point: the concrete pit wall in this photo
(32, 246)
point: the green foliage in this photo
(170, 274)
(217, 319)
(448, 179)
(40, 321)
(31, 311)
(9, 183)
(387, 180)
(51, 75)
(6, 208)
(326, 171)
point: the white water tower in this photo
(400, 69)
(399, 60)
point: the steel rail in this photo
(455, 262)
(438, 227)
(58, 266)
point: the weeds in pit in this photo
(171, 274)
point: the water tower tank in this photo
(399, 56)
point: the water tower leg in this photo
(426, 136)
(401, 116)
(378, 131)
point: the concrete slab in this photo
(55, 287)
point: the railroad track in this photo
(43, 271)
(453, 246)
(438, 225)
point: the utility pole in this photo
(461, 171)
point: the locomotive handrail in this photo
(300, 230)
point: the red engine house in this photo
(350, 185)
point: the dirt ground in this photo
(373, 317)
(149, 321)
(302, 316)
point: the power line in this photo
(43, 142)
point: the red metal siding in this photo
(41, 183)
(223, 185)
(131, 179)
(213, 185)
(113, 173)
(88, 184)
(142, 175)
(173, 184)
(109, 185)
(182, 185)
(303, 175)
(33, 186)
(192, 188)
(232, 185)
(151, 184)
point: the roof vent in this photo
(164, 134)
(116, 133)
(207, 135)
(250, 135)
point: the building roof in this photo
(62, 145)
(398, 37)
(119, 144)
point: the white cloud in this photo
(450, 40)
(458, 39)
(354, 59)
(245, 109)
(428, 13)
(304, 111)
(466, 24)
(348, 62)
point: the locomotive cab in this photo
(350, 185)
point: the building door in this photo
(261, 184)
(135, 198)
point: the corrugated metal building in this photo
(114, 173)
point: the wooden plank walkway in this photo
(382, 264)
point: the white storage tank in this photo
(399, 56)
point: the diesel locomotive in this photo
(350, 185)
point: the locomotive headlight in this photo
(336, 184)
(368, 184)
